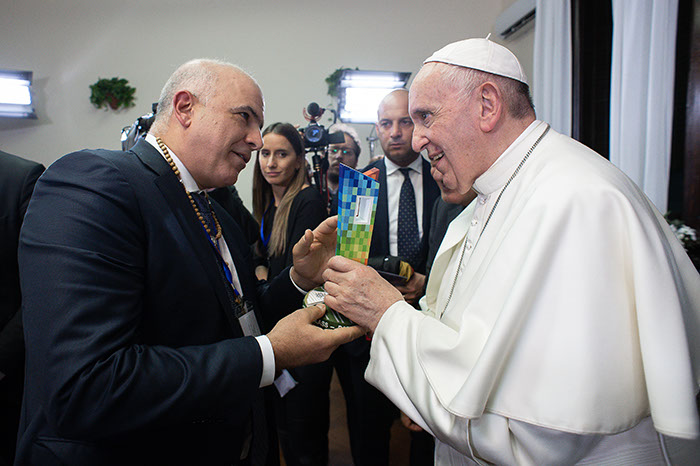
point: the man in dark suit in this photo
(142, 316)
(370, 413)
(394, 130)
(17, 178)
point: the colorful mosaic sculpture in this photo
(357, 205)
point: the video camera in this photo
(316, 140)
(131, 134)
(315, 135)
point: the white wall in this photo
(290, 47)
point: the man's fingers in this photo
(315, 312)
(304, 243)
(328, 226)
(330, 300)
(330, 286)
(347, 334)
(343, 264)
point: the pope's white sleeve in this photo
(395, 369)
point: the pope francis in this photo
(562, 317)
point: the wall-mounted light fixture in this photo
(362, 91)
(15, 94)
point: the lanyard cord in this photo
(265, 239)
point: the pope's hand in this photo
(312, 252)
(358, 292)
(296, 341)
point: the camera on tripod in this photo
(317, 137)
(316, 140)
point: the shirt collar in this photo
(416, 165)
(185, 177)
(498, 173)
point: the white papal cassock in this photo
(572, 330)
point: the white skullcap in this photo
(482, 55)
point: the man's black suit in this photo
(134, 355)
(17, 178)
(380, 235)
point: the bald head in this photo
(201, 77)
(398, 97)
(211, 117)
(395, 128)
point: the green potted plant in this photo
(333, 81)
(114, 93)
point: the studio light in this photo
(362, 91)
(15, 94)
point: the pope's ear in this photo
(183, 107)
(492, 106)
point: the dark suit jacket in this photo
(133, 353)
(380, 235)
(17, 178)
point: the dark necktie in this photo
(257, 454)
(205, 209)
(407, 231)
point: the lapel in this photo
(381, 223)
(175, 197)
(235, 238)
(242, 258)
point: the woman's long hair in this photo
(262, 190)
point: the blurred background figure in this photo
(17, 178)
(347, 153)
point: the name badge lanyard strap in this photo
(265, 238)
(224, 266)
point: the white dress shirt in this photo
(394, 181)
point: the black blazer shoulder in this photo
(17, 179)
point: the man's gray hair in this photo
(197, 76)
(350, 131)
(516, 94)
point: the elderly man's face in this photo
(225, 131)
(446, 129)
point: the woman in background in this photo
(286, 205)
